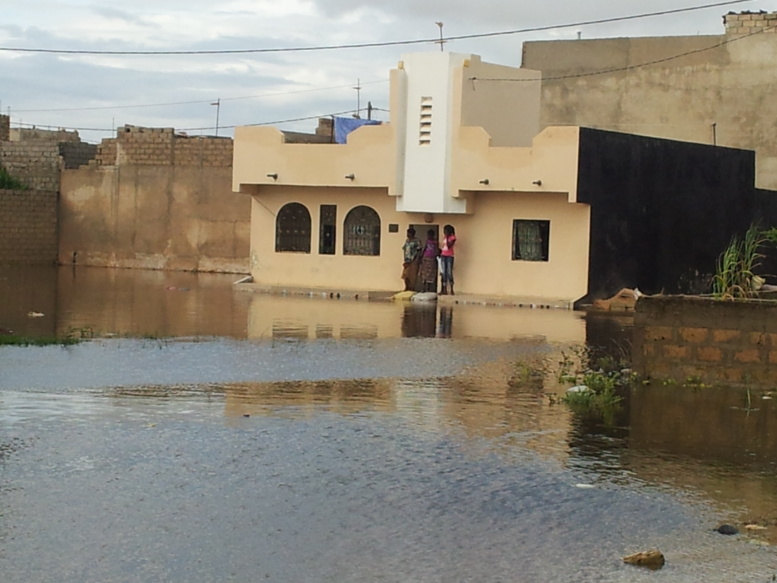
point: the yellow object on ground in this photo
(403, 296)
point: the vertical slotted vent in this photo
(425, 122)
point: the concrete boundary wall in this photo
(716, 342)
(28, 227)
(154, 217)
(155, 199)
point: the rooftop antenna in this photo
(358, 98)
(441, 42)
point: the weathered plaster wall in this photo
(28, 227)
(153, 199)
(717, 342)
(153, 217)
(707, 89)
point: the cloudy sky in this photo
(96, 93)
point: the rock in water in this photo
(653, 559)
(727, 529)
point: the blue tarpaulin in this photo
(345, 125)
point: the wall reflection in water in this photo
(130, 302)
(28, 290)
(122, 302)
(301, 318)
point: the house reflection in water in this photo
(310, 318)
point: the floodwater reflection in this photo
(125, 302)
(251, 437)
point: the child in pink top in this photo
(446, 259)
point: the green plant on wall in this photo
(8, 182)
(735, 275)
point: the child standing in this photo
(429, 262)
(446, 259)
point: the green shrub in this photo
(735, 276)
(8, 182)
(602, 377)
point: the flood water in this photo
(211, 434)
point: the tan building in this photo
(334, 216)
(561, 214)
(706, 89)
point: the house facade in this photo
(334, 216)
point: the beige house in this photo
(455, 152)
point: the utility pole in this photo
(441, 42)
(217, 103)
(358, 99)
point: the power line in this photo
(277, 122)
(195, 102)
(375, 44)
(263, 123)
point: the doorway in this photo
(420, 232)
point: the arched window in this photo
(362, 232)
(292, 229)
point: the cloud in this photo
(115, 14)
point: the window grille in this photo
(292, 229)
(531, 240)
(362, 232)
(327, 236)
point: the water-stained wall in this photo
(155, 199)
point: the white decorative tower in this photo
(433, 95)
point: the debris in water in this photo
(653, 559)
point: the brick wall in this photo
(36, 157)
(36, 164)
(28, 227)
(717, 342)
(139, 146)
(40, 135)
(76, 154)
(5, 128)
(750, 22)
